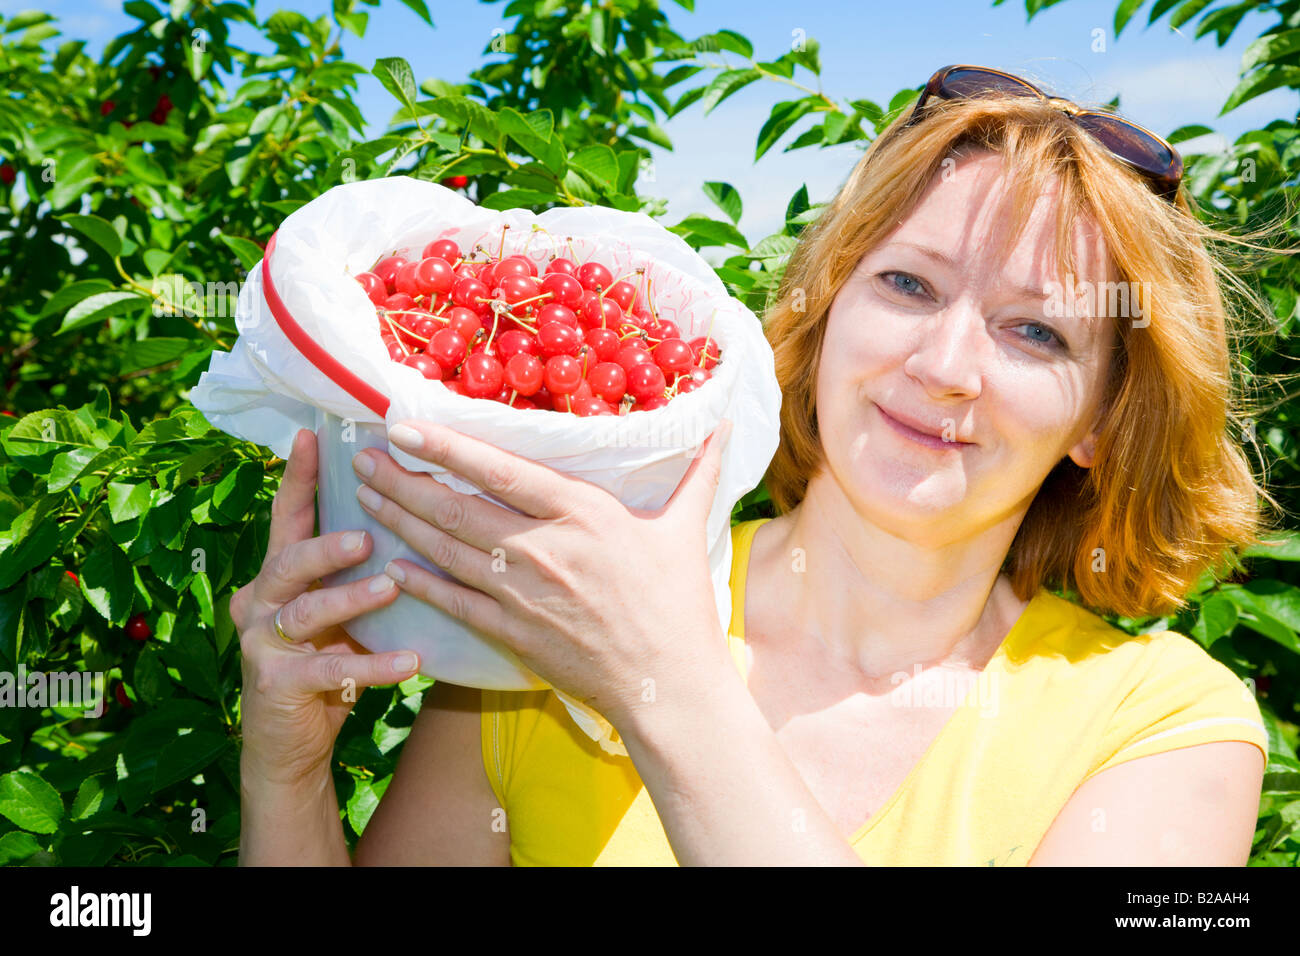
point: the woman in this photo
(967, 419)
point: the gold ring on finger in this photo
(280, 630)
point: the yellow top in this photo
(1065, 696)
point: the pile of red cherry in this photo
(574, 339)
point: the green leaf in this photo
(518, 198)
(107, 582)
(726, 197)
(1260, 82)
(16, 846)
(597, 163)
(419, 7)
(99, 307)
(235, 491)
(395, 73)
(147, 353)
(127, 501)
(90, 798)
(1284, 547)
(1217, 618)
(784, 115)
(186, 756)
(723, 85)
(98, 231)
(712, 231)
(249, 252)
(30, 802)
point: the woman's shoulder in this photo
(1155, 690)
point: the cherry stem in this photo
(501, 253)
(704, 352)
(573, 256)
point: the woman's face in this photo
(962, 350)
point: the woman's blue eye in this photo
(1051, 335)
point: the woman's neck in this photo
(873, 603)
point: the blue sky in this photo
(1164, 78)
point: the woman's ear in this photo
(1083, 453)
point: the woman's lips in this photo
(921, 438)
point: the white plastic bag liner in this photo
(265, 389)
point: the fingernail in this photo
(353, 540)
(381, 584)
(364, 464)
(369, 497)
(405, 437)
(403, 663)
(395, 572)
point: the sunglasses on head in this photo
(1135, 146)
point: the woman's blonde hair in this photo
(1171, 492)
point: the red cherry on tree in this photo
(456, 182)
(119, 692)
(138, 629)
(8, 174)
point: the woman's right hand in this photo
(296, 694)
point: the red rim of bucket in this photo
(332, 368)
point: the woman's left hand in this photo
(610, 604)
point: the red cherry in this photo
(373, 286)
(668, 330)
(651, 403)
(395, 351)
(524, 373)
(516, 288)
(602, 313)
(119, 692)
(587, 407)
(467, 292)
(673, 356)
(564, 289)
(456, 182)
(454, 386)
(138, 629)
(604, 343)
(75, 579)
(386, 269)
(400, 301)
(632, 355)
(521, 402)
(8, 174)
(608, 380)
(554, 338)
(515, 265)
(447, 348)
(623, 293)
(697, 349)
(464, 322)
(594, 276)
(554, 312)
(563, 373)
(513, 342)
(645, 381)
(444, 249)
(106, 107)
(542, 398)
(561, 266)
(424, 365)
(482, 376)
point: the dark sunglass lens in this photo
(1129, 143)
(973, 83)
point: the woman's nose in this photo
(949, 352)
